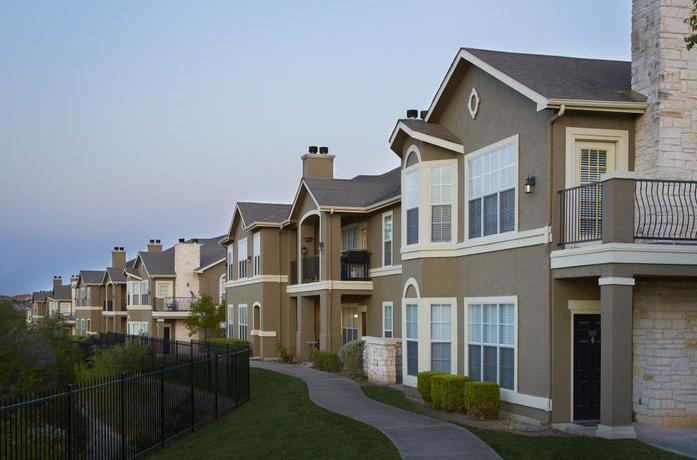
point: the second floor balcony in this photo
(354, 266)
(173, 304)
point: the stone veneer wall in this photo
(187, 258)
(665, 353)
(382, 360)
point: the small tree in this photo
(205, 317)
(691, 39)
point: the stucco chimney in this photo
(57, 282)
(118, 257)
(666, 72)
(187, 258)
(154, 246)
(318, 165)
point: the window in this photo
(244, 316)
(491, 342)
(412, 206)
(163, 290)
(221, 289)
(441, 203)
(230, 262)
(387, 239)
(492, 190)
(129, 291)
(89, 327)
(349, 324)
(135, 293)
(412, 335)
(441, 327)
(144, 293)
(257, 253)
(387, 320)
(242, 258)
(230, 321)
(349, 237)
(138, 328)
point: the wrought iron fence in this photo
(310, 269)
(355, 264)
(128, 415)
(174, 303)
(665, 210)
(581, 209)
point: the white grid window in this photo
(135, 293)
(349, 324)
(242, 258)
(441, 203)
(144, 293)
(492, 191)
(412, 196)
(244, 317)
(441, 327)
(387, 320)
(349, 237)
(491, 343)
(230, 321)
(412, 336)
(230, 262)
(387, 239)
(256, 240)
(136, 327)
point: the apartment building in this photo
(540, 233)
(38, 305)
(60, 302)
(114, 313)
(89, 302)
(161, 285)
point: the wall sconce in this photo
(321, 245)
(529, 184)
(355, 315)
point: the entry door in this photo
(166, 336)
(586, 367)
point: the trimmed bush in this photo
(423, 384)
(325, 360)
(231, 342)
(482, 399)
(284, 355)
(351, 355)
(447, 392)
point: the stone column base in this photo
(616, 432)
(382, 360)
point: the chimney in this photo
(73, 280)
(318, 165)
(57, 282)
(412, 113)
(118, 257)
(666, 72)
(154, 246)
(187, 258)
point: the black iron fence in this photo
(666, 210)
(355, 264)
(581, 209)
(128, 415)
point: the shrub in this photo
(284, 355)
(482, 399)
(229, 341)
(351, 355)
(112, 361)
(447, 392)
(325, 360)
(424, 384)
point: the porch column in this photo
(618, 207)
(616, 358)
(306, 327)
(330, 321)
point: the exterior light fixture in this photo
(355, 315)
(321, 245)
(529, 184)
(304, 251)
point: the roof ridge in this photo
(545, 55)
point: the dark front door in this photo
(165, 342)
(586, 367)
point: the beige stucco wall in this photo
(665, 352)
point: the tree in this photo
(205, 317)
(691, 39)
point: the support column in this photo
(616, 358)
(306, 327)
(330, 321)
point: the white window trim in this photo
(453, 333)
(429, 165)
(509, 394)
(425, 331)
(170, 289)
(230, 321)
(413, 150)
(575, 134)
(384, 305)
(482, 151)
(256, 256)
(391, 215)
(230, 262)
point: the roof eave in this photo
(448, 145)
(209, 266)
(362, 209)
(598, 106)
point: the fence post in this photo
(162, 407)
(69, 423)
(191, 366)
(122, 404)
(215, 383)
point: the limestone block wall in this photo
(187, 258)
(665, 353)
(666, 72)
(382, 360)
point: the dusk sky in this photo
(125, 121)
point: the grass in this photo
(280, 421)
(518, 446)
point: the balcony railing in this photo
(649, 210)
(109, 305)
(310, 268)
(174, 303)
(355, 265)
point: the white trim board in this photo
(257, 279)
(448, 145)
(330, 284)
(616, 281)
(385, 271)
(624, 253)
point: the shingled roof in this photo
(359, 192)
(162, 263)
(92, 276)
(62, 292)
(263, 212)
(39, 296)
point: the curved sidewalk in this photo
(415, 436)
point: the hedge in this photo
(229, 341)
(351, 355)
(423, 383)
(447, 392)
(482, 399)
(325, 360)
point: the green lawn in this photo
(517, 446)
(280, 421)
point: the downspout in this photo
(550, 202)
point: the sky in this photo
(126, 121)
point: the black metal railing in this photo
(355, 264)
(174, 303)
(310, 269)
(109, 305)
(665, 210)
(128, 415)
(581, 209)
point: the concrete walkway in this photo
(681, 441)
(415, 436)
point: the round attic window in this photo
(473, 103)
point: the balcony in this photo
(310, 270)
(621, 210)
(173, 304)
(355, 265)
(108, 305)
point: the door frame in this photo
(578, 307)
(619, 137)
